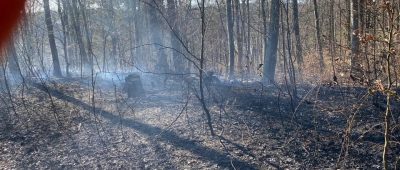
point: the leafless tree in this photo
(52, 41)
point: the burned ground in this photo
(57, 125)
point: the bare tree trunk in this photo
(156, 34)
(201, 70)
(265, 33)
(131, 21)
(175, 35)
(113, 33)
(64, 23)
(27, 42)
(392, 17)
(356, 68)
(239, 36)
(296, 29)
(332, 37)
(291, 68)
(75, 17)
(104, 51)
(52, 42)
(318, 36)
(13, 62)
(88, 34)
(270, 51)
(139, 27)
(348, 21)
(230, 39)
(248, 42)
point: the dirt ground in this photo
(70, 124)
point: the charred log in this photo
(133, 86)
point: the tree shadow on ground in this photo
(169, 137)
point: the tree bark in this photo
(249, 53)
(78, 33)
(139, 26)
(87, 34)
(231, 44)
(175, 36)
(332, 37)
(296, 29)
(156, 34)
(201, 70)
(356, 68)
(113, 33)
(13, 62)
(239, 35)
(270, 52)
(348, 21)
(52, 42)
(318, 36)
(64, 23)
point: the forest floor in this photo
(256, 128)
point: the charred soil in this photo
(68, 124)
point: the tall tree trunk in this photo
(318, 36)
(231, 44)
(139, 26)
(13, 62)
(156, 34)
(27, 41)
(175, 36)
(201, 70)
(75, 17)
(291, 68)
(348, 21)
(239, 36)
(52, 42)
(332, 37)
(249, 53)
(87, 34)
(131, 5)
(64, 23)
(265, 32)
(296, 29)
(356, 68)
(113, 33)
(270, 51)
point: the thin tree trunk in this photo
(356, 68)
(75, 17)
(105, 35)
(13, 62)
(332, 38)
(132, 7)
(175, 33)
(139, 26)
(296, 29)
(239, 36)
(230, 39)
(64, 24)
(265, 34)
(348, 21)
(201, 70)
(248, 51)
(389, 48)
(88, 34)
(318, 36)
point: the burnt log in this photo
(133, 86)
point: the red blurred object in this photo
(10, 13)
